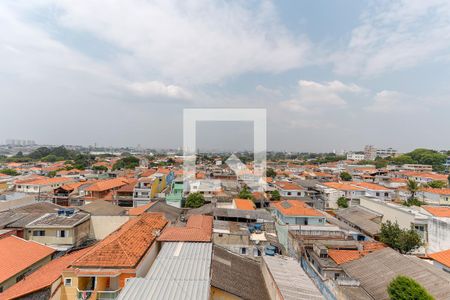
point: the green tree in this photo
(413, 188)
(346, 176)
(245, 193)
(129, 162)
(402, 240)
(436, 184)
(342, 202)
(270, 172)
(406, 288)
(275, 195)
(10, 172)
(52, 174)
(100, 168)
(195, 200)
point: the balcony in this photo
(97, 295)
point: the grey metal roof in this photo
(245, 214)
(292, 281)
(181, 271)
(55, 220)
(362, 218)
(376, 270)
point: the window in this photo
(62, 233)
(68, 281)
(288, 193)
(39, 233)
(386, 194)
(378, 194)
(243, 251)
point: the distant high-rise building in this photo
(387, 152)
(370, 152)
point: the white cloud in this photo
(158, 88)
(313, 96)
(394, 102)
(396, 34)
(188, 42)
(268, 91)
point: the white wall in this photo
(101, 226)
(438, 234)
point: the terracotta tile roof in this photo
(438, 211)
(125, 247)
(18, 254)
(296, 208)
(129, 188)
(148, 173)
(284, 185)
(343, 256)
(197, 229)
(107, 184)
(244, 204)
(163, 171)
(75, 185)
(137, 211)
(444, 192)
(442, 257)
(29, 179)
(402, 180)
(43, 277)
(427, 175)
(49, 181)
(343, 186)
(370, 186)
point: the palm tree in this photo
(413, 188)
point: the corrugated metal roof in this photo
(181, 271)
(290, 278)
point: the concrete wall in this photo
(147, 261)
(391, 213)
(75, 235)
(101, 226)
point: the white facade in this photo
(355, 156)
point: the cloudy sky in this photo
(332, 74)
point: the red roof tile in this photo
(197, 229)
(438, 211)
(442, 257)
(108, 184)
(296, 208)
(284, 185)
(18, 254)
(137, 211)
(125, 247)
(343, 256)
(244, 204)
(43, 277)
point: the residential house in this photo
(42, 185)
(294, 212)
(60, 230)
(345, 189)
(128, 252)
(362, 219)
(20, 258)
(289, 190)
(148, 188)
(104, 189)
(175, 197)
(105, 218)
(435, 196)
(45, 282)
(375, 190)
(441, 260)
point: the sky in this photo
(333, 75)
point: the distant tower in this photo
(370, 152)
